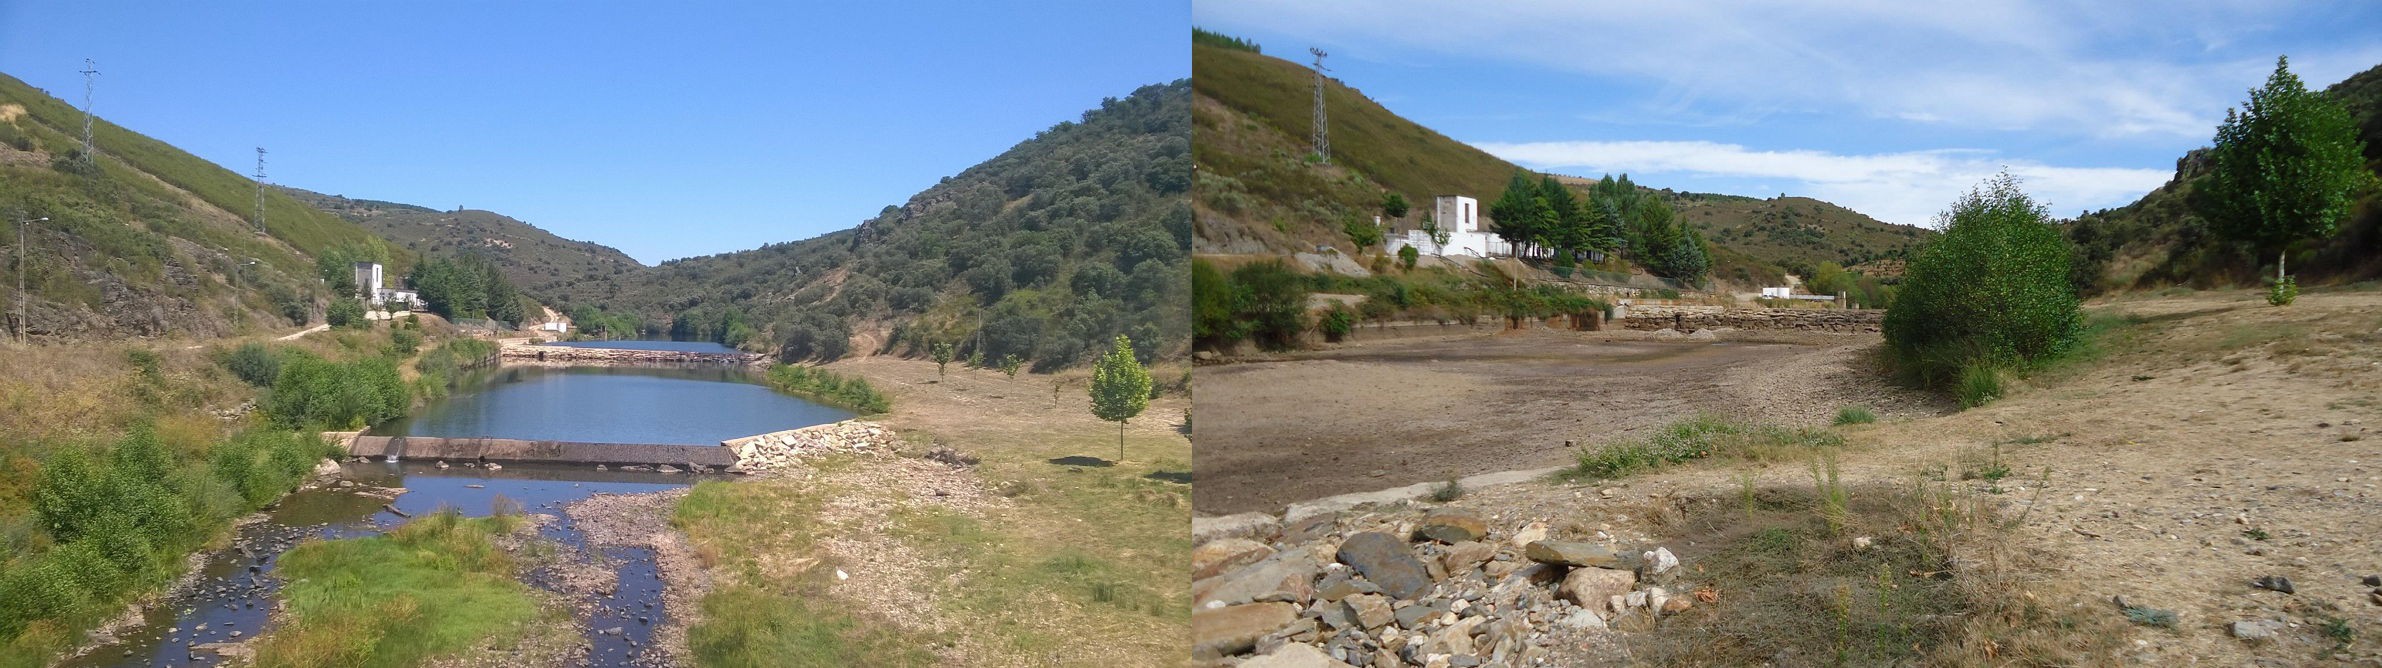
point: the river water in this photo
(660, 405)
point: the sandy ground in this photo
(2217, 442)
(1281, 429)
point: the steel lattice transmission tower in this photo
(1323, 134)
(90, 76)
(260, 191)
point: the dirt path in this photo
(1371, 416)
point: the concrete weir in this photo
(509, 450)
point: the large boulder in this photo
(1288, 577)
(1294, 655)
(1570, 553)
(1383, 560)
(1230, 630)
(1452, 526)
(1592, 587)
(1213, 558)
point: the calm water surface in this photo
(694, 405)
(675, 346)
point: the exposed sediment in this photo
(1825, 320)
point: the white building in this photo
(1459, 218)
(368, 280)
(371, 287)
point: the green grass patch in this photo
(848, 392)
(1854, 415)
(777, 610)
(1704, 436)
(437, 587)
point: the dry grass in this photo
(1940, 583)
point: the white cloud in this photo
(1907, 187)
(2075, 70)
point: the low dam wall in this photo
(578, 355)
(429, 448)
(1825, 320)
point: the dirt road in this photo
(1371, 416)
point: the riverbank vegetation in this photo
(115, 462)
(440, 586)
(851, 393)
(1991, 295)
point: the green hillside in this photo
(2158, 240)
(1054, 246)
(145, 240)
(542, 264)
(1259, 191)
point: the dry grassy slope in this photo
(2158, 240)
(537, 260)
(148, 246)
(1258, 194)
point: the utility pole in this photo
(1323, 135)
(90, 75)
(260, 191)
(22, 313)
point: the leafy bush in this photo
(253, 363)
(1993, 290)
(346, 313)
(1408, 256)
(2284, 291)
(1272, 300)
(313, 392)
(1336, 323)
(404, 341)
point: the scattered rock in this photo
(1451, 526)
(1370, 611)
(1233, 629)
(1660, 560)
(1567, 553)
(1287, 577)
(1592, 587)
(1529, 533)
(1254, 526)
(1215, 557)
(2256, 629)
(1467, 555)
(1383, 559)
(1295, 655)
(2276, 583)
(955, 458)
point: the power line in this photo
(260, 191)
(1323, 135)
(90, 78)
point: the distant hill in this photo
(1045, 252)
(1259, 193)
(540, 263)
(147, 240)
(2158, 240)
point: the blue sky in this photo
(664, 129)
(1891, 108)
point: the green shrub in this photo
(346, 314)
(2284, 291)
(404, 341)
(1272, 301)
(1855, 415)
(254, 364)
(1408, 256)
(313, 392)
(1336, 323)
(1993, 290)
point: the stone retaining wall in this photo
(780, 449)
(431, 448)
(1826, 320)
(578, 355)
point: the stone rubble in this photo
(1395, 586)
(777, 450)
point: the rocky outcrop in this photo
(780, 449)
(1394, 585)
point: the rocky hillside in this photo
(146, 240)
(2158, 240)
(1044, 252)
(1258, 191)
(542, 264)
